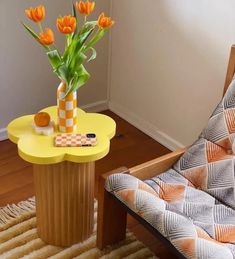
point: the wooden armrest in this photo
(148, 169)
(112, 216)
(156, 166)
(230, 69)
(120, 170)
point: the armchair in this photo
(187, 197)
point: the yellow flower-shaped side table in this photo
(63, 176)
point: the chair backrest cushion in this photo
(209, 167)
(221, 125)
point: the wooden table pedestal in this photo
(64, 202)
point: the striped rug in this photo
(19, 239)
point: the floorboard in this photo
(129, 147)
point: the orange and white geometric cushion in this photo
(209, 167)
(220, 128)
(196, 223)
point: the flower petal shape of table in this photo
(63, 176)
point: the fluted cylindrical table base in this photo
(64, 202)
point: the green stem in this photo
(68, 39)
(99, 34)
(40, 27)
(55, 47)
(85, 18)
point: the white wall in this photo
(27, 82)
(168, 63)
(169, 60)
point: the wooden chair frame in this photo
(112, 214)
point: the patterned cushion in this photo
(221, 125)
(210, 168)
(192, 204)
(196, 223)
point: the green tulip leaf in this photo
(76, 61)
(76, 45)
(100, 34)
(75, 15)
(58, 66)
(93, 55)
(54, 58)
(87, 26)
(63, 73)
(35, 36)
(81, 76)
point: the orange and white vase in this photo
(66, 110)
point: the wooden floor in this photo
(129, 147)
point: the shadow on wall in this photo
(195, 59)
(176, 59)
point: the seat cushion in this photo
(195, 222)
(221, 125)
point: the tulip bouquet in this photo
(81, 36)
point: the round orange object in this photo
(42, 119)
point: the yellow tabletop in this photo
(39, 149)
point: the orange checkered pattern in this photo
(67, 110)
(74, 140)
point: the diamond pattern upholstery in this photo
(193, 203)
(221, 125)
(196, 223)
(210, 168)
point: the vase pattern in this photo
(66, 110)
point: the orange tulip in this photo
(85, 7)
(66, 24)
(47, 37)
(36, 14)
(104, 21)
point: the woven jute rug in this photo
(19, 239)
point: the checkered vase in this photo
(67, 110)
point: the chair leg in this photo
(112, 218)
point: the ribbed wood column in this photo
(64, 202)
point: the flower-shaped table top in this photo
(39, 149)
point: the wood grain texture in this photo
(156, 166)
(230, 69)
(64, 202)
(112, 217)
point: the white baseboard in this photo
(3, 134)
(96, 107)
(143, 125)
(132, 118)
